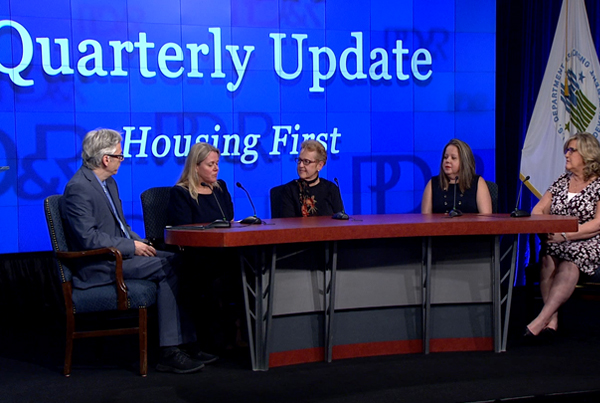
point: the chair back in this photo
(155, 202)
(493, 187)
(136, 294)
(275, 196)
(57, 234)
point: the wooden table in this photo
(259, 256)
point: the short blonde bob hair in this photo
(314, 145)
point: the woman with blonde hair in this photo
(192, 199)
(565, 255)
(213, 277)
(457, 170)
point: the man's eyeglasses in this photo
(120, 157)
(570, 150)
(303, 161)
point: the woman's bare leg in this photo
(556, 291)
(548, 270)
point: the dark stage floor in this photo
(566, 371)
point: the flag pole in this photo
(567, 49)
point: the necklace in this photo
(312, 181)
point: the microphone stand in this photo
(455, 212)
(342, 214)
(253, 219)
(518, 212)
(217, 223)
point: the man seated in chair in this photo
(93, 215)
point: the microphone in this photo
(223, 223)
(342, 214)
(455, 212)
(253, 219)
(518, 212)
(5, 168)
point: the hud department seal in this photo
(576, 96)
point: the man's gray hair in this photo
(97, 144)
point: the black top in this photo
(324, 199)
(442, 201)
(183, 209)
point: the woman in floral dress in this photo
(575, 193)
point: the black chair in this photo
(275, 196)
(493, 187)
(122, 296)
(588, 287)
(155, 202)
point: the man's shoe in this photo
(194, 351)
(174, 360)
(205, 357)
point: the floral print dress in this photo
(584, 253)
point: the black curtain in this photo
(31, 308)
(524, 35)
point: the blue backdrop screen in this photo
(383, 84)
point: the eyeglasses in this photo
(570, 150)
(120, 157)
(303, 161)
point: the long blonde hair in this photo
(466, 167)
(189, 178)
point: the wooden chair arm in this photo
(120, 282)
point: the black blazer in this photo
(183, 209)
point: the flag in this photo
(568, 101)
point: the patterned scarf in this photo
(308, 204)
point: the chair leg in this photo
(143, 325)
(69, 344)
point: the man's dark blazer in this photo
(90, 224)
